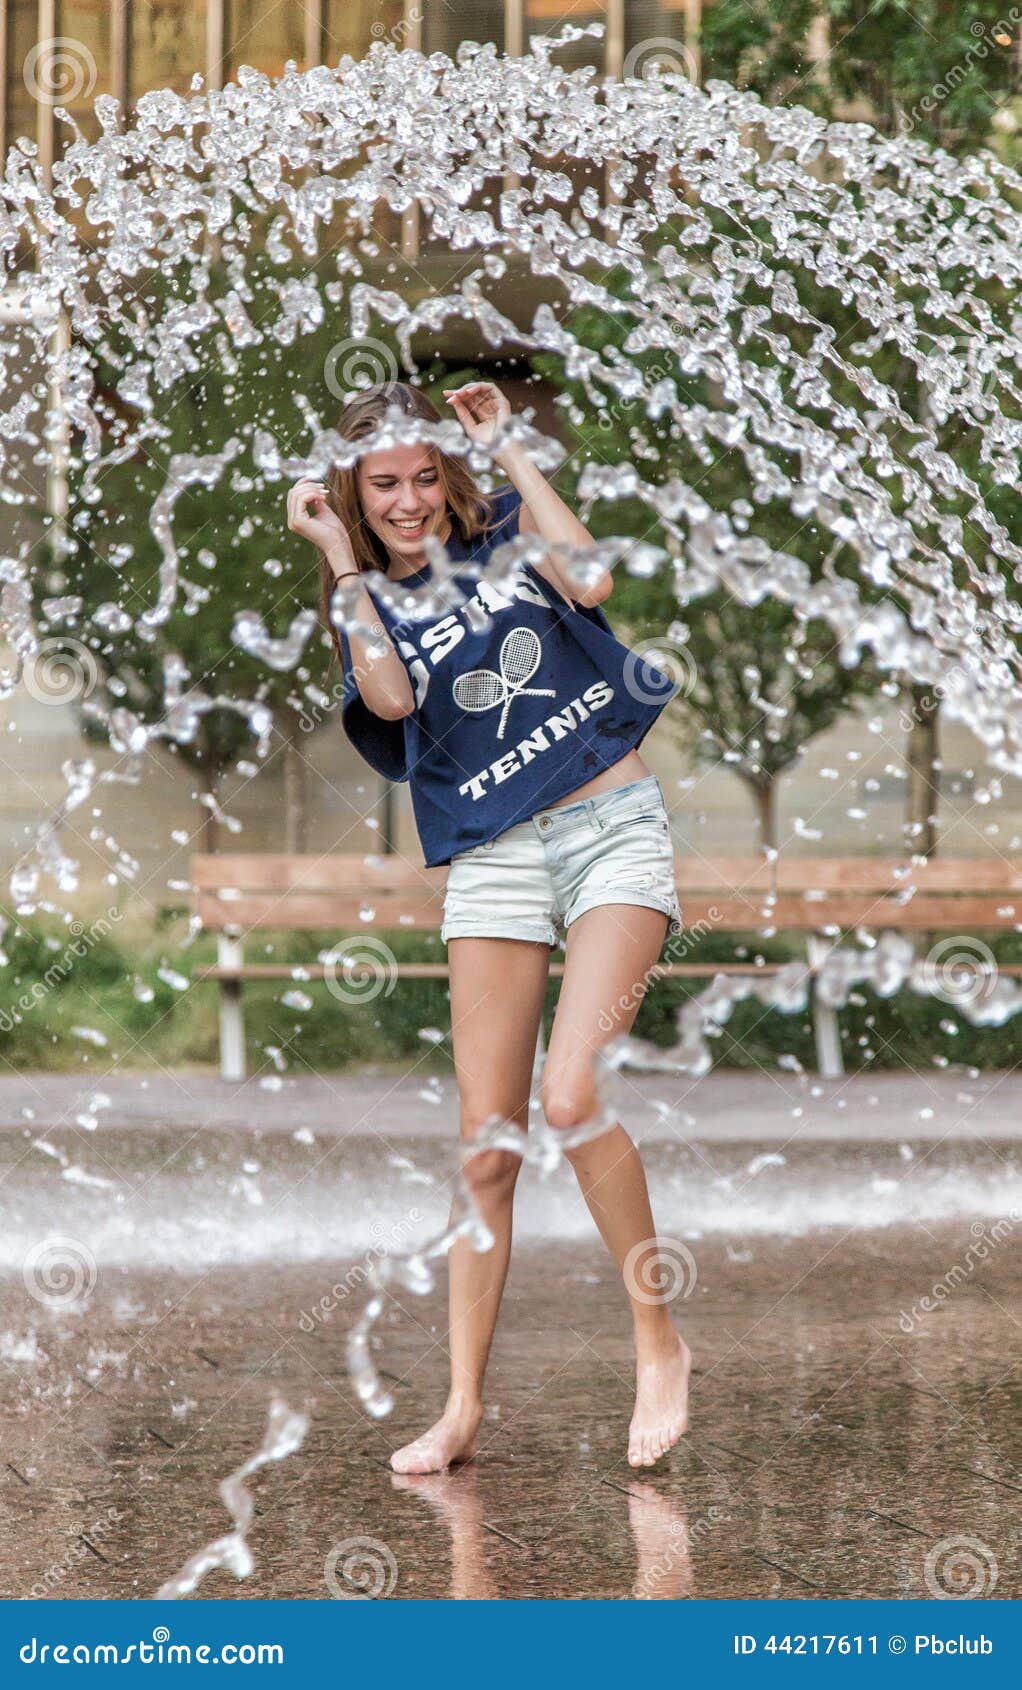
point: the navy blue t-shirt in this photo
(507, 720)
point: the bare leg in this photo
(609, 952)
(497, 992)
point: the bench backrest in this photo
(242, 892)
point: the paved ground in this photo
(724, 1105)
(831, 1453)
(846, 1440)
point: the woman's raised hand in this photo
(310, 516)
(481, 409)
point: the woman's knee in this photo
(491, 1174)
(569, 1097)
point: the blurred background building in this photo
(71, 51)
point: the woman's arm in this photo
(545, 513)
(481, 408)
(382, 681)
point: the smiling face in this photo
(403, 500)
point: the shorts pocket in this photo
(653, 817)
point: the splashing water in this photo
(285, 1431)
(411, 1270)
(722, 213)
(766, 259)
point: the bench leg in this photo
(232, 1024)
(829, 1060)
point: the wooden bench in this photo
(823, 898)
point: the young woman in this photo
(516, 716)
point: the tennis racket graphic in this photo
(483, 689)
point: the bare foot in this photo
(661, 1405)
(452, 1439)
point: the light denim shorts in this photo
(534, 880)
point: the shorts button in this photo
(544, 821)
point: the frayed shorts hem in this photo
(484, 929)
(646, 900)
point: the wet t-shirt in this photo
(509, 717)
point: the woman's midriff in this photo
(628, 768)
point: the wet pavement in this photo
(405, 1100)
(843, 1441)
(851, 1296)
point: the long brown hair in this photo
(468, 506)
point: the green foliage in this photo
(758, 682)
(945, 70)
(99, 989)
(234, 548)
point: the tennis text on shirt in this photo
(520, 698)
(438, 641)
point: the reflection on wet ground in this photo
(844, 1442)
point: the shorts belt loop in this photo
(594, 820)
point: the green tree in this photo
(945, 70)
(230, 536)
(758, 682)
